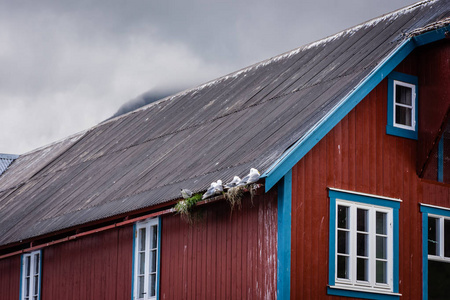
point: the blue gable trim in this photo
(285, 163)
(440, 165)
(284, 237)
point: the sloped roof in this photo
(223, 128)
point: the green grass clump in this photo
(185, 206)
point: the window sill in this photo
(361, 293)
(405, 133)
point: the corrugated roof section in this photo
(5, 161)
(218, 130)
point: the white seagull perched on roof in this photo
(252, 177)
(214, 188)
(186, 193)
(233, 183)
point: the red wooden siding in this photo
(10, 278)
(226, 256)
(434, 93)
(358, 155)
(97, 266)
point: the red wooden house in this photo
(351, 134)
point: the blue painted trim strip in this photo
(134, 262)
(309, 140)
(435, 211)
(362, 295)
(363, 199)
(21, 277)
(424, 256)
(396, 262)
(40, 274)
(441, 160)
(284, 237)
(332, 243)
(431, 36)
(158, 266)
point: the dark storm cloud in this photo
(67, 65)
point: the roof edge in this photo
(292, 155)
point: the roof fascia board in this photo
(316, 133)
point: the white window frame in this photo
(35, 267)
(412, 106)
(441, 239)
(147, 226)
(371, 284)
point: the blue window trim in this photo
(440, 165)
(335, 194)
(40, 274)
(284, 237)
(426, 210)
(390, 128)
(158, 276)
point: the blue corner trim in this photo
(441, 160)
(390, 128)
(425, 256)
(158, 266)
(362, 295)
(275, 172)
(134, 262)
(284, 237)
(366, 199)
(21, 277)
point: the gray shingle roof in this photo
(217, 130)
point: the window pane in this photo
(343, 241)
(153, 285)
(342, 267)
(154, 237)
(153, 260)
(36, 285)
(381, 271)
(433, 233)
(141, 287)
(403, 95)
(446, 238)
(27, 286)
(381, 247)
(362, 269)
(381, 223)
(362, 220)
(27, 265)
(36, 263)
(142, 239)
(142, 263)
(403, 115)
(343, 217)
(361, 242)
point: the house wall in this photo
(10, 278)
(224, 256)
(97, 266)
(358, 155)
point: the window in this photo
(363, 245)
(402, 105)
(146, 259)
(436, 251)
(31, 276)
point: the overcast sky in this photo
(68, 65)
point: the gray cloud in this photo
(68, 65)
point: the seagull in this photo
(186, 193)
(252, 177)
(233, 183)
(214, 189)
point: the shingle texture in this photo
(220, 129)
